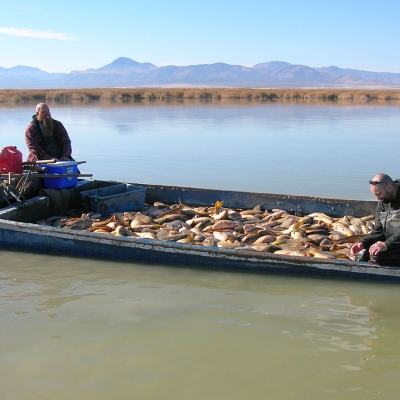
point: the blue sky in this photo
(61, 36)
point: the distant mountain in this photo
(21, 77)
(126, 72)
(270, 66)
(124, 64)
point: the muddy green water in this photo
(84, 329)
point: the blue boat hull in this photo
(19, 234)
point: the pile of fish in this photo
(275, 231)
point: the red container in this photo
(10, 160)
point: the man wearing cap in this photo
(46, 138)
(382, 244)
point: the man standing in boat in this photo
(382, 244)
(46, 138)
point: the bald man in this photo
(46, 138)
(382, 244)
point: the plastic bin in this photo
(112, 199)
(60, 167)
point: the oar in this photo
(62, 175)
(51, 161)
(47, 175)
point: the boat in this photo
(18, 232)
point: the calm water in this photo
(85, 329)
(328, 151)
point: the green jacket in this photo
(387, 224)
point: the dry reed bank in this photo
(110, 96)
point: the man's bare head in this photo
(383, 187)
(43, 115)
(42, 111)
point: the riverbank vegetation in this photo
(110, 96)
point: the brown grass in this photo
(109, 96)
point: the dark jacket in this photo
(387, 224)
(35, 141)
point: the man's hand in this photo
(357, 247)
(377, 247)
(64, 158)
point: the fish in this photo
(146, 235)
(121, 231)
(185, 230)
(169, 218)
(210, 242)
(162, 233)
(295, 226)
(358, 221)
(343, 254)
(113, 225)
(317, 230)
(275, 215)
(123, 220)
(78, 224)
(350, 239)
(318, 238)
(101, 230)
(298, 234)
(158, 210)
(314, 252)
(199, 220)
(368, 218)
(342, 228)
(265, 248)
(173, 238)
(220, 215)
(104, 228)
(228, 244)
(291, 242)
(196, 231)
(273, 231)
(250, 228)
(190, 239)
(290, 220)
(290, 252)
(265, 239)
(171, 211)
(176, 224)
(225, 224)
(321, 217)
(234, 215)
(136, 225)
(224, 235)
(105, 222)
(144, 219)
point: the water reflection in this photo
(131, 329)
(384, 345)
(278, 148)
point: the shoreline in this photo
(116, 96)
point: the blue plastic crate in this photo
(112, 199)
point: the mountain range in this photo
(125, 72)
